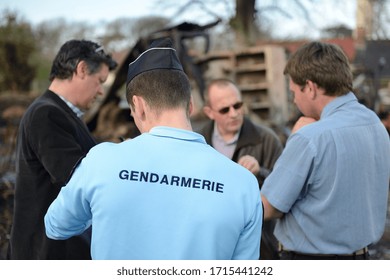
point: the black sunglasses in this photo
(236, 106)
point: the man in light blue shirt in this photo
(165, 194)
(330, 186)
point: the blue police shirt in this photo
(332, 181)
(165, 194)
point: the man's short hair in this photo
(75, 51)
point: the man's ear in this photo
(191, 106)
(208, 112)
(313, 89)
(82, 69)
(138, 107)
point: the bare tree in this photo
(244, 22)
(251, 20)
(242, 17)
(122, 33)
(52, 34)
(380, 19)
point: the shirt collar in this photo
(171, 132)
(336, 103)
(219, 138)
(74, 108)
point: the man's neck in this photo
(62, 88)
(171, 118)
(225, 135)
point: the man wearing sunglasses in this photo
(253, 146)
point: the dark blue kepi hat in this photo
(160, 55)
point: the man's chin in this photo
(234, 128)
(236, 125)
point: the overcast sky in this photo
(322, 12)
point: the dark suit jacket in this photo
(51, 140)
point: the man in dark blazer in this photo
(52, 138)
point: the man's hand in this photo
(302, 122)
(250, 163)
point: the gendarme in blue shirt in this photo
(165, 194)
(332, 181)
